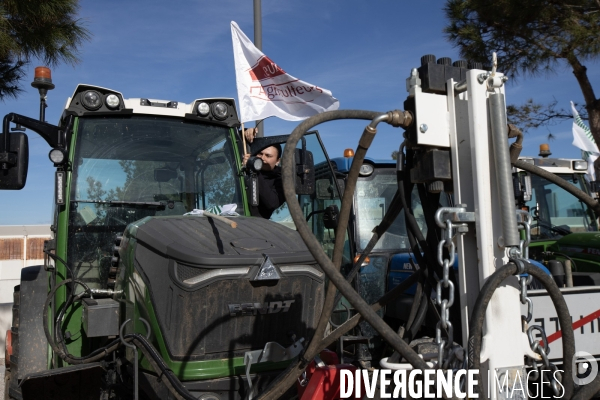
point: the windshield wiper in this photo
(137, 204)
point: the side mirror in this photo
(331, 217)
(14, 161)
(305, 172)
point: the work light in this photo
(112, 101)
(254, 164)
(91, 100)
(203, 109)
(57, 156)
(219, 110)
(580, 165)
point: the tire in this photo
(12, 368)
(6, 385)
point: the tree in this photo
(531, 37)
(48, 30)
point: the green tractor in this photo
(137, 299)
(564, 227)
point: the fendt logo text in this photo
(273, 307)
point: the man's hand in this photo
(250, 134)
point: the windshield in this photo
(372, 199)
(557, 212)
(132, 167)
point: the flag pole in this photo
(258, 43)
(244, 139)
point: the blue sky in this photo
(360, 50)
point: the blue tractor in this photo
(388, 263)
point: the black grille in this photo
(197, 323)
(205, 329)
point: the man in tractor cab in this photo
(270, 185)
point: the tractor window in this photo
(317, 208)
(372, 198)
(129, 168)
(557, 212)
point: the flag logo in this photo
(266, 90)
(265, 69)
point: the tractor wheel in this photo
(11, 365)
(6, 384)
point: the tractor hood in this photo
(583, 247)
(212, 243)
(219, 291)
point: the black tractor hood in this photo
(214, 244)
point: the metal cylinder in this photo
(568, 273)
(510, 230)
(557, 271)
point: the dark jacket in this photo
(270, 193)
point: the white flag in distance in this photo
(266, 90)
(583, 139)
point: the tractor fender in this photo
(32, 343)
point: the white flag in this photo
(583, 139)
(266, 90)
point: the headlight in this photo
(57, 156)
(203, 109)
(580, 165)
(91, 100)
(219, 110)
(366, 169)
(254, 164)
(112, 101)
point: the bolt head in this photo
(423, 128)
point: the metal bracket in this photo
(273, 352)
(135, 352)
(458, 216)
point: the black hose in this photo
(414, 308)
(315, 248)
(57, 258)
(96, 355)
(562, 311)
(172, 383)
(588, 391)
(420, 315)
(416, 239)
(580, 194)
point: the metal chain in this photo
(523, 282)
(444, 217)
(524, 223)
(549, 368)
(445, 304)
